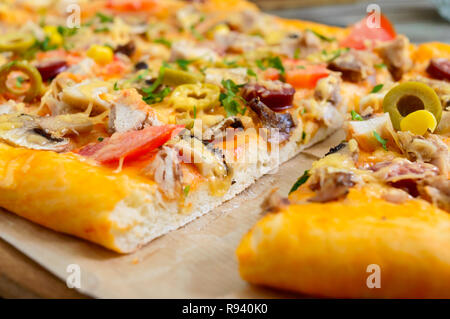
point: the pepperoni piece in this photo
(51, 68)
(439, 69)
(276, 95)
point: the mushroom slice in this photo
(209, 161)
(87, 92)
(218, 130)
(23, 130)
(66, 124)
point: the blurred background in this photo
(420, 20)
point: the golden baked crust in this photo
(325, 249)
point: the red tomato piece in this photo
(131, 5)
(361, 32)
(306, 77)
(129, 145)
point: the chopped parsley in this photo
(19, 81)
(302, 180)
(45, 45)
(380, 66)
(252, 73)
(195, 33)
(163, 41)
(377, 88)
(229, 99)
(101, 29)
(186, 190)
(231, 64)
(100, 139)
(382, 141)
(183, 63)
(297, 53)
(271, 62)
(321, 36)
(104, 18)
(151, 94)
(195, 112)
(356, 116)
(116, 86)
(66, 32)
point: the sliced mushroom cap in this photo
(66, 124)
(209, 161)
(23, 130)
(82, 94)
(218, 130)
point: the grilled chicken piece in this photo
(429, 149)
(355, 66)
(436, 190)
(403, 174)
(236, 42)
(329, 90)
(331, 186)
(395, 54)
(165, 169)
(129, 113)
(363, 132)
(217, 75)
(304, 44)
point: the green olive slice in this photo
(15, 41)
(409, 97)
(35, 79)
(175, 77)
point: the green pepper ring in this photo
(25, 67)
(16, 42)
(418, 90)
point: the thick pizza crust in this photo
(326, 249)
(122, 212)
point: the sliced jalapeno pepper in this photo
(174, 77)
(201, 96)
(15, 41)
(35, 79)
(409, 97)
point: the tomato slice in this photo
(130, 145)
(361, 32)
(306, 76)
(131, 5)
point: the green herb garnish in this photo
(186, 190)
(104, 18)
(19, 81)
(151, 95)
(321, 36)
(302, 180)
(380, 66)
(183, 63)
(356, 116)
(377, 88)
(163, 41)
(229, 99)
(381, 140)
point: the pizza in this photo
(371, 218)
(121, 120)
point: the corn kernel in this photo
(54, 37)
(419, 122)
(218, 29)
(101, 54)
(275, 37)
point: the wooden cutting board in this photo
(21, 277)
